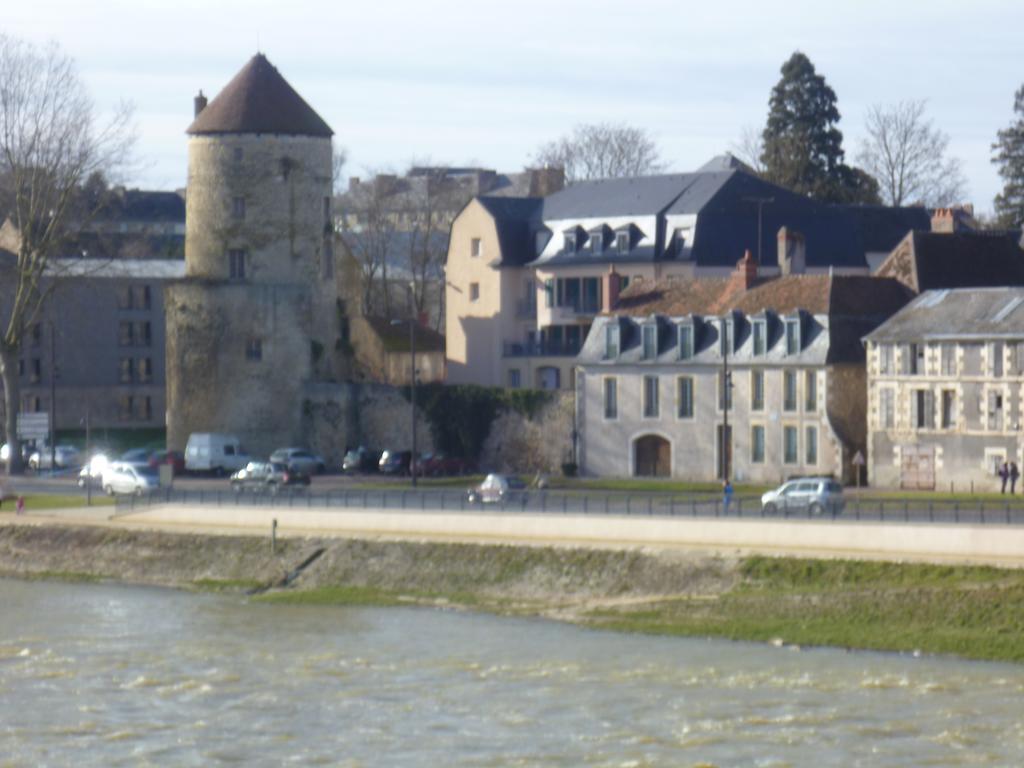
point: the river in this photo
(104, 675)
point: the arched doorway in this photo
(652, 456)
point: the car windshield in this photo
(277, 467)
(147, 472)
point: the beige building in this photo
(754, 378)
(525, 278)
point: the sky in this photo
(484, 83)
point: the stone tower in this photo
(254, 322)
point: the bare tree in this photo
(750, 147)
(907, 155)
(51, 142)
(339, 156)
(601, 151)
(368, 228)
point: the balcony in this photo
(541, 349)
(569, 311)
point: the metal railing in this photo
(541, 349)
(694, 505)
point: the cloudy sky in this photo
(485, 83)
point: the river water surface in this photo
(126, 676)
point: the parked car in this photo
(122, 477)
(92, 471)
(300, 460)
(360, 460)
(497, 489)
(176, 459)
(816, 495)
(267, 475)
(395, 462)
(136, 456)
(64, 456)
(26, 452)
(212, 452)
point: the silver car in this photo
(814, 495)
(299, 460)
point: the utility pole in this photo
(761, 203)
(53, 398)
(726, 397)
(412, 379)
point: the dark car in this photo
(360, 460)
(135, 456)
(395, 462)
(175, 458)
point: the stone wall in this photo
(517, 443)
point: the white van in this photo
(212, 452)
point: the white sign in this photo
(33, 426)
(858, 459)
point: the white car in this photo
(92, 471)
(814, 495)
(497, 489)
(63, 456)
(120, 477)
(299, 460)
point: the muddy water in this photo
(119, 676)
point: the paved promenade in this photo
(928, 542)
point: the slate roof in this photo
(957, 314)
(517, 219)
(931, 260)
(144, 205)
(259, 100)
(632, 196)
(882, 227)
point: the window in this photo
(650, 397)
(685, 397)
(757, 390)
(145, 369)
(238, 207)
(810, 391)
(789, 445)
(885, 366)
(995, 410)
(725, 341)
(622, 242)
(948, 355)
(811, 446)
(570, 242)
(141, 297)
(37, 370)
(476, 247)
(124, 297)
(886, 408)
(474, 291)
(650, 339)
(789, 390)
(236, 264)
(549, 293)
(724, 391)
(757, 444)
(913, 359)
(126, 408)
(146, 409)
(996, 355)
(125, 333)
(37, 334)
(948, 408)
(685, 341)
(514, 378)
(1016, 358)
(611, 398)
(254, 350)
(127, 367)
(611, 341)
(759, 331)
(922, 409)
(144, 333)
(793, 337)
(596, 242)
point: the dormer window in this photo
(759, 332)
(650, 341)
(792, 336)
(596, 242)
(570, 242)
(685, 341)
(680, 241)
(622, 242)
(611, 341)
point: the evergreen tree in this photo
(803, 148)
(1009, 156)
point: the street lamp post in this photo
(726, 443)
(412, 383)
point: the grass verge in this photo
(53, 501)
(971, 612)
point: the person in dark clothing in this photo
(1004, 475)
(1014, 474)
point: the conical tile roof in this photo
(259, 100)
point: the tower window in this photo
(236, 264)
(238, 207)
(254, 349)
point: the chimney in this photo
(612, 286)
(943, 220)
(746, 271)
(546, 181)
(199, 103)
(792, 252)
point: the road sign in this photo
(33, 426)
(858, 459)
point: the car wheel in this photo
(769, 509)
(816, 509)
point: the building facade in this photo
(754, 379)
(946, 390)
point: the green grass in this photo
(53, 501)
(226, 585)
(335, 595)
(966, 611)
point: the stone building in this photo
(254, 325)
(766, 372)
(946, 390)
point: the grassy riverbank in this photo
(973, 612)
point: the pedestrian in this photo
(1014, 474)
(20, 507)
(726, 497)
(1004, 475)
